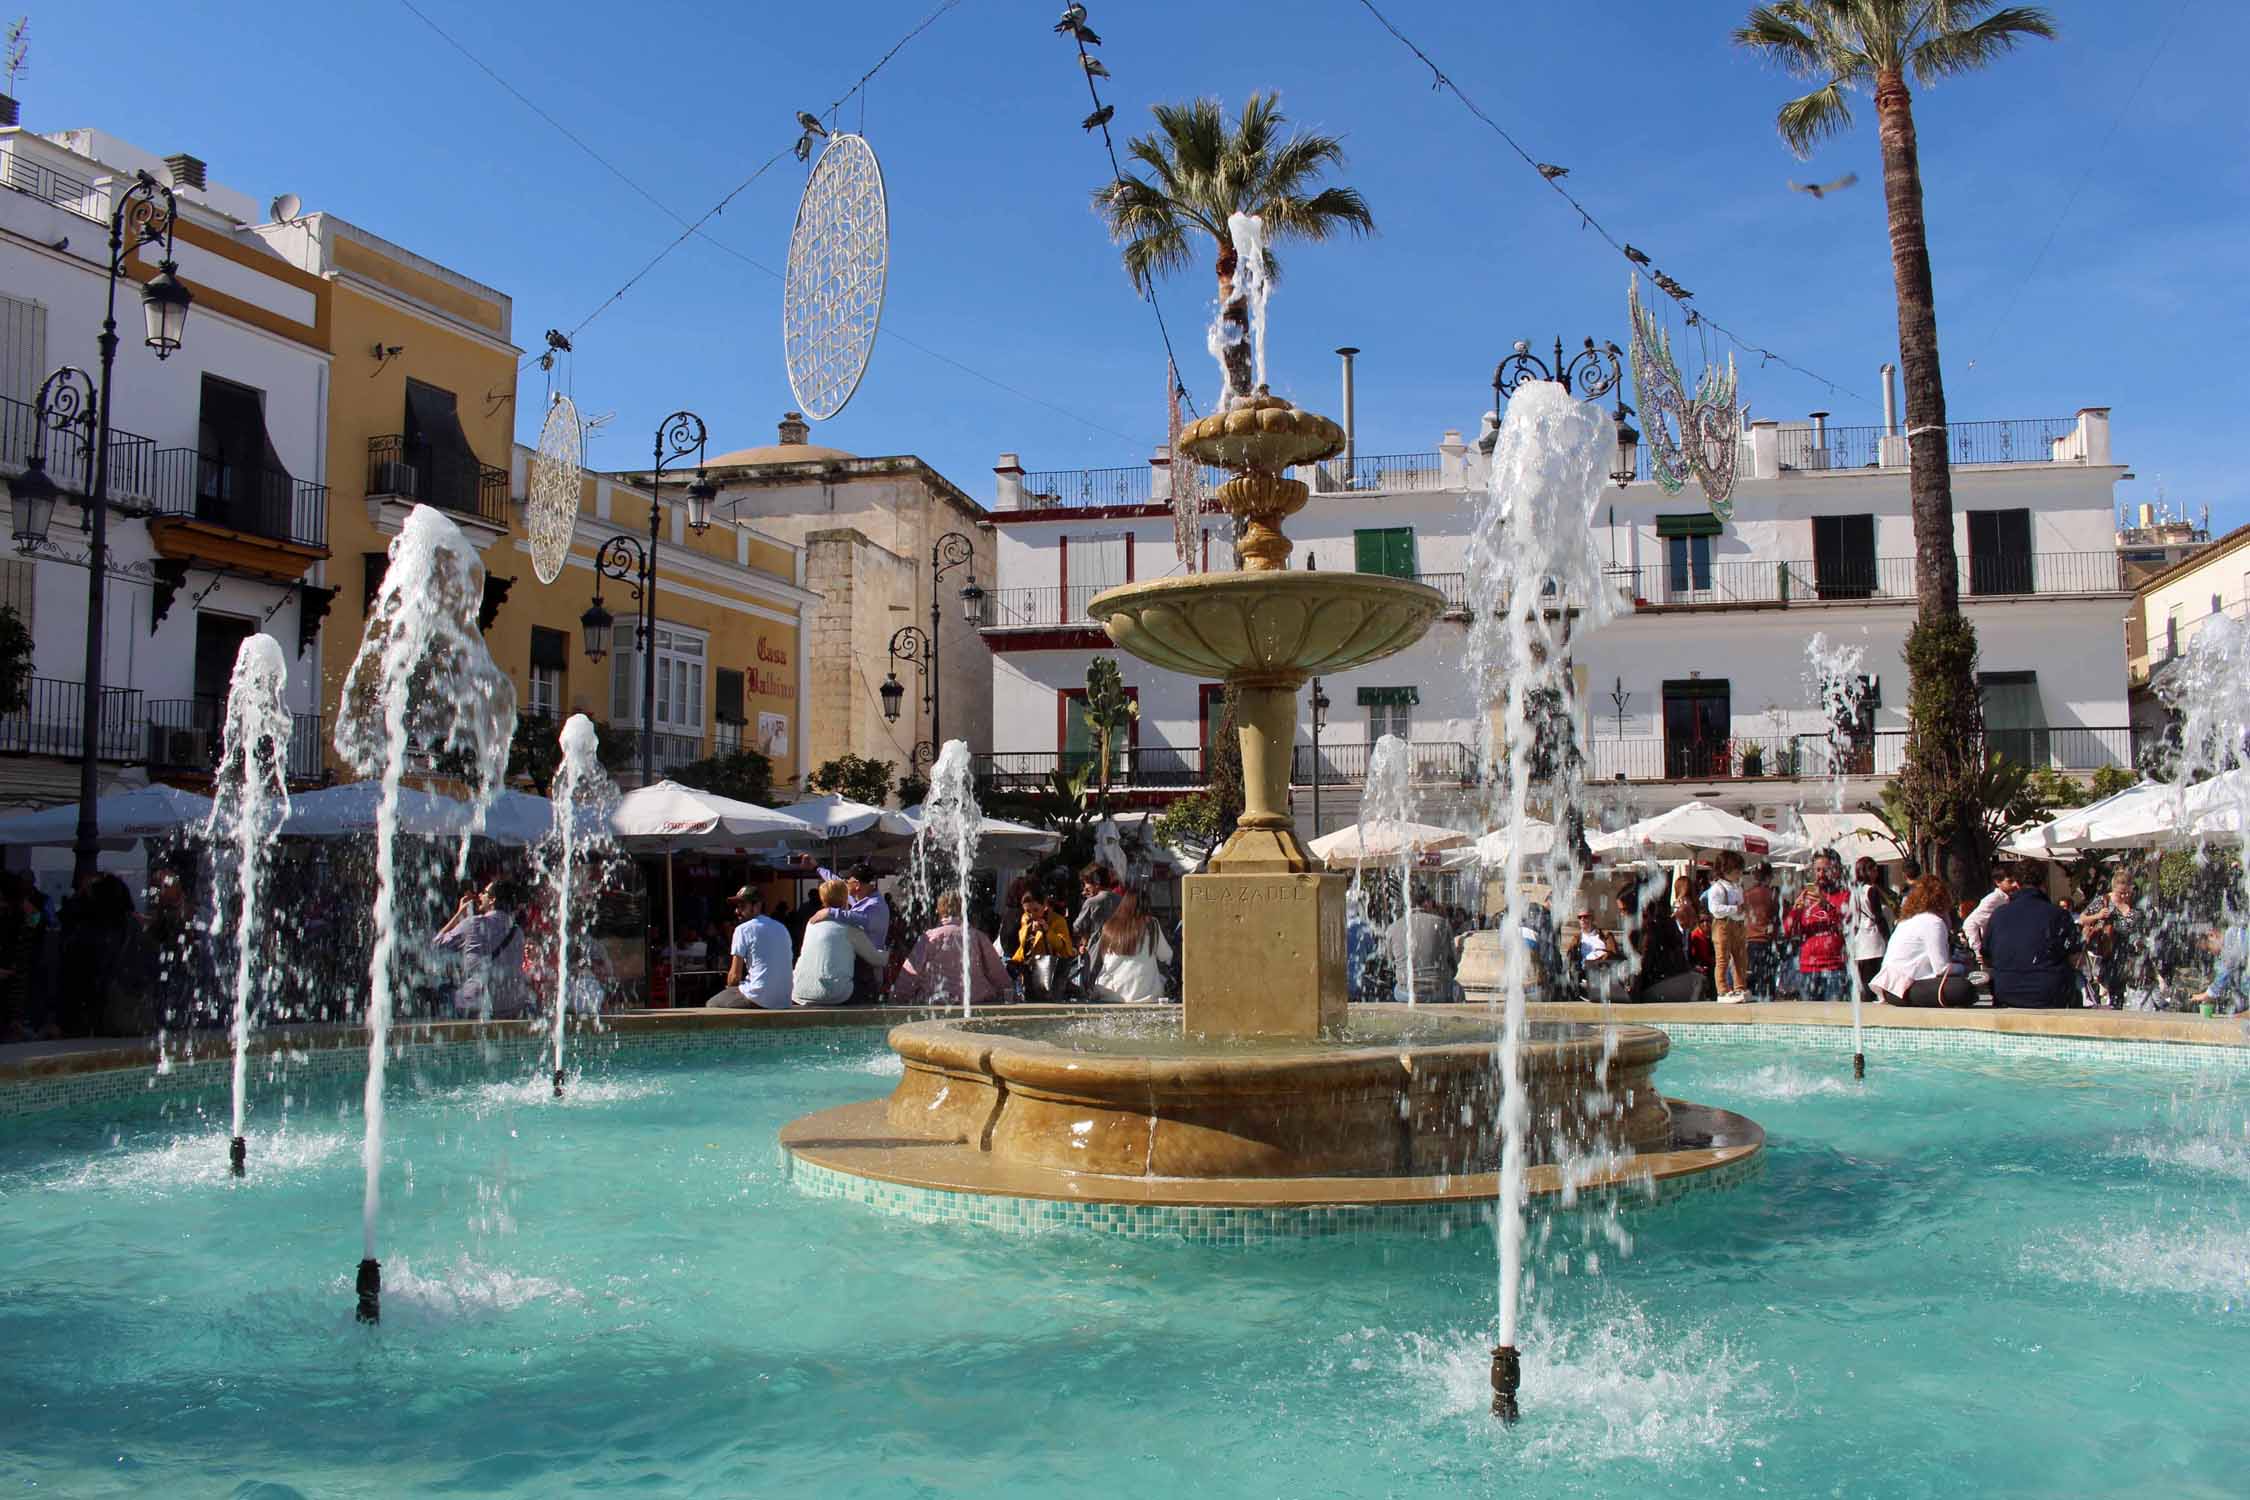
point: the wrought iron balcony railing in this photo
(261, 501)
(407, 469)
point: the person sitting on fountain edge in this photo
(834, 947)
(867, 909)
(1665, 974)
(759, 962)
(1425, 935)
(932, 972)
(1918, 963)
(2029, 945)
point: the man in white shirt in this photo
(2004, 886)
(759, 962)
(1730, 947)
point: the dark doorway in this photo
(1843, 549)
(1698, 722)
(2000, 552)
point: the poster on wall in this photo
(773, 735)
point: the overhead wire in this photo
(1101, 118)
(1631, 255)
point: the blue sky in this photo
(2087, 226)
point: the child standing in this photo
(1730, 948)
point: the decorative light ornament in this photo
(832, 290)
(1699, 435)
(554, 484)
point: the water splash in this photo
(1237, 337)
(1836, 674)
(1387, 806)
(250, 798)
(1532, 552)
(422, 693)
(945, 850)
(576, 851)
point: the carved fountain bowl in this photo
(1281, 625)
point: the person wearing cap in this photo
(759, 963)
(866, 909)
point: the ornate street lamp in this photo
(1320, 707)
(1628, 445)
(634, 565)
(1590, 373)
(918, 648)
(144, 215)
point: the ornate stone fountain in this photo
(1264, 1093)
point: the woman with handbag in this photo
(1043, 949)
(1129, 955)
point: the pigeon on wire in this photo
(1099, 117)
(1073, 17)
(1551, 172)
(811, 123)
(1094, 68)
(1671, 287)
(1823, 189)
(1635, 256)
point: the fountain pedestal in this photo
(1263, 954)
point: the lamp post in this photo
(1591, 372)
(911, 644)
(144, 215)
(1320, 706)
(630, 563)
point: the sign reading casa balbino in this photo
(770, 677)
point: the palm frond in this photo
(1780, 33)
(1154, 255)
(1809, 119)
(1946, 54)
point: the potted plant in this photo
(1753, 759)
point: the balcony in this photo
(1180, 768)
(249, 520)
(2022, 440)
(1085, 489)
(189, 734)
(1790, 757)
(405, 472)
(52, 722)
(132, 463)
(1429, 763)
(1382, 472)
(1877, 580)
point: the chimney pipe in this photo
(187, 171)
(1819, 430)
(1890, 400)
(1350, 427)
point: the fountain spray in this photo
(1532, 543)
(951, 822)
(250, 798)
(584, 797)
(1835, 673)
(1387, 801)
(423, 689)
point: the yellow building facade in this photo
(423, 412)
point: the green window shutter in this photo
(1367, 551)
(1696, 523)
(1386, 697)
(1401, 549)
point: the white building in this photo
(218, 465)
(1699, 686)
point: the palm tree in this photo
(1874, 45)
(1200, 173)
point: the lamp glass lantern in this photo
(164, 302)
(1628, 448)
(972, 602)
(1320, 706)
(894, 694)
(596, 625)
(700, 494)
(31, 503)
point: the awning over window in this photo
(1389, 697)
(550, 649)
(1695, 523)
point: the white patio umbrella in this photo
(356, 806)
(1365, 843)
(2064, 834)
(145, 812)
(1852, 835)
(1688, 830)
(666, 817)
(836, 817)
(2168, 815)
(997, 831)
(1491, 851)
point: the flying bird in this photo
(1072, 18)
(1635, 256)
(1551, 172)
(1823, 189)
(1094, 68)
(1098, 118)
(811, 124)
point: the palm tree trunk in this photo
(1234, 325)
(1945, 738)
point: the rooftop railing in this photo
(18, 170)
(2018, 440)
(2075, 748)
(1083, 489)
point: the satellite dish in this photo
(832, 292)
(286, 207)
(551, 511)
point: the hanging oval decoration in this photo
(832, 291)
(553, 487)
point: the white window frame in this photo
(544, 701)
(683, 660)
